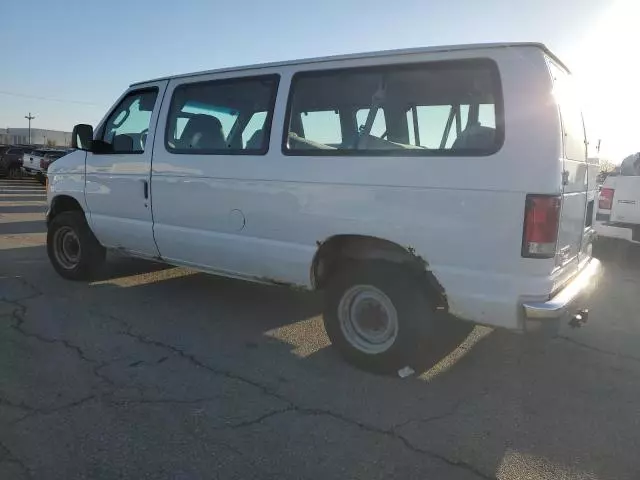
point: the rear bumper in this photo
(622, 232)
(568, 300)
(32, 171)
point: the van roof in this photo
(378, 54)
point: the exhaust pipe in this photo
(579, 319)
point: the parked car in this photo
(32, 162)
(11, 160)
(413, 187)
(47, 160)
(619, 204)
(3, 167)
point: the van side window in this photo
(429, 123)
(379, 126)
(322, 126)
(444, 108)
(222, 117)
(127, 127)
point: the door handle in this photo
(145, 187)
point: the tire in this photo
(81, 255)
(414, 316)
(41, 178)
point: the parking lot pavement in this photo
(160, 372)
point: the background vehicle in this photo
(405, 184)
(46, 161)
(11, 158)
(32, 162)
(619, 203)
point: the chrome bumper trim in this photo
(561, 303)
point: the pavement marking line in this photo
(30, 186)
(453, 357)
(26, 203)
(21, 217)
(22, 240)
(20, 195)
(31, 191)
(21, 184)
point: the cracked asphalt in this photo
(158, 372)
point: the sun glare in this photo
(607, 68)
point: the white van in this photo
(411, 186)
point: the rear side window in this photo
(322, 126)
(565, 93)
(222, 117)
(439, 108)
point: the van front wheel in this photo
(73, 250)
(376, 314)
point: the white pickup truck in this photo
(619, 205)
(32, 161)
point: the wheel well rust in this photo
(335, 250)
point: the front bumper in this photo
(570, 299)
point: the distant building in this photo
(39, 136)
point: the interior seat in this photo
(475, 137)
(203, 132)
(255, 141)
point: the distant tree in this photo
(607, 166)
(51, 142)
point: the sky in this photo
(67, 61)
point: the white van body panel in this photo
(264, 217)
(67, 178)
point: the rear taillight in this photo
(606, 199)
(541, 219)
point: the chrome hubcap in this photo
(368, 319)
(66, 247)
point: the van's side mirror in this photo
(82, 137)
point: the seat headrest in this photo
(203, 132)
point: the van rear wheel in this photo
(73, 250)
(376, 314)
